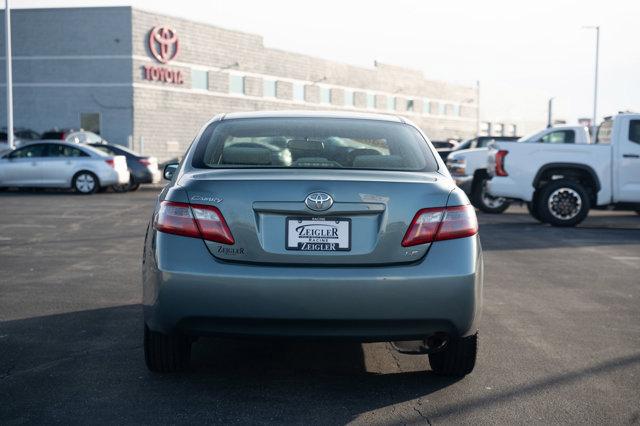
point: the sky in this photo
(522, 53)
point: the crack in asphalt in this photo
(417, 410)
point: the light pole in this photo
(7, 54)
(478, 109)
(595, 84)
(550, 113)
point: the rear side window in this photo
(560, 136)
(604, 132)
(58, 150)
(324, 143)
(634, 131)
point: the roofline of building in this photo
(374, 67)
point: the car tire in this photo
(125, 187)
(563, 203)
(166, 353)
(85, 183)
(134, 186)
(531, 207)
(485, 202)
(457, 358)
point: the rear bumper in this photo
(505, 186)
(147, 176)
(187, 290)
(113, 177)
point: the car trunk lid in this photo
(370, 214)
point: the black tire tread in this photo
(543, 211)
(458, 358)
(95, 189)
(166, 353)
(476, 200)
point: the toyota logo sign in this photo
(318, 201)
(163, 44)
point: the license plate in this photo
(318, 234)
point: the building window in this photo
(269, 88)
(199, 79)
(348, 98)
(236, 84)
(325, 95)
(426, 106)
(442, 108)
(298, 92)
(410, 105)
(391, 103)
(371, 100)
(456, 110)
(90, 121)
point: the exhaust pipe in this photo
(431, 344)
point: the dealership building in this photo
(151, 81)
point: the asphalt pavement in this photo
(559, 337)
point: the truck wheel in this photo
(485, 202)
(457, 358)
(563, 203)
(166, 353)
(532, 208)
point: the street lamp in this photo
(7, 55)
(595, 88)
(550, 112)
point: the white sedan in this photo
(57, 164)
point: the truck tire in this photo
(532, 208)
(166, 353)
(457, 358)
(533, 212)
(563, 202)
(485, 202)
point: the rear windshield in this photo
(328, 143)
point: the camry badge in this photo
(319, 201)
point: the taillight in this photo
(144, 161)
(441, 223)
(500, 171)
(111, 162)
(193, 220)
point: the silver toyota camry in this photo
(308, 224)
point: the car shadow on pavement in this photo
(88, 366)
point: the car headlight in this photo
(457, 166)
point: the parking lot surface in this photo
(560, 333)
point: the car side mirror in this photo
(170, 170)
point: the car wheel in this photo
(166, 353)
(134, 186)
(457, 358)
(85, 183)
(485, 202)
(638, 212)
(563, 203)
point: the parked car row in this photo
(558, 172)
(76, 159)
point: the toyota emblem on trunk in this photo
(318, 201)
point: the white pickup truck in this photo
(561, 182)
(469, 166)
